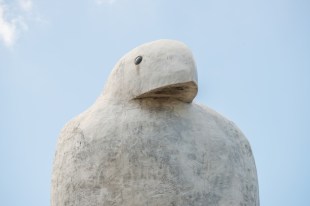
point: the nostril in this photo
(138, 60)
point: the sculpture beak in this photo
(184, 92)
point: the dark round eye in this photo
(138, 60)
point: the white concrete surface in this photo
(145, 143)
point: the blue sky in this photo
(253, 60)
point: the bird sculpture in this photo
(144, 142)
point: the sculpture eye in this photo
(138, 60)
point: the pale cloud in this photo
(7, 28)
(25, 5)
(13, 20)
(105, 1)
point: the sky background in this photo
(253, 61)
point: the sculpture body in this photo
(144, 142)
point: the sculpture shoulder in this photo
(228, 126)
(234, 135)
(97, 119)
(217, 117)
(74, 126)
(69, 130)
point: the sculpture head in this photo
(159, 69)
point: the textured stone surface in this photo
(143, 142)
